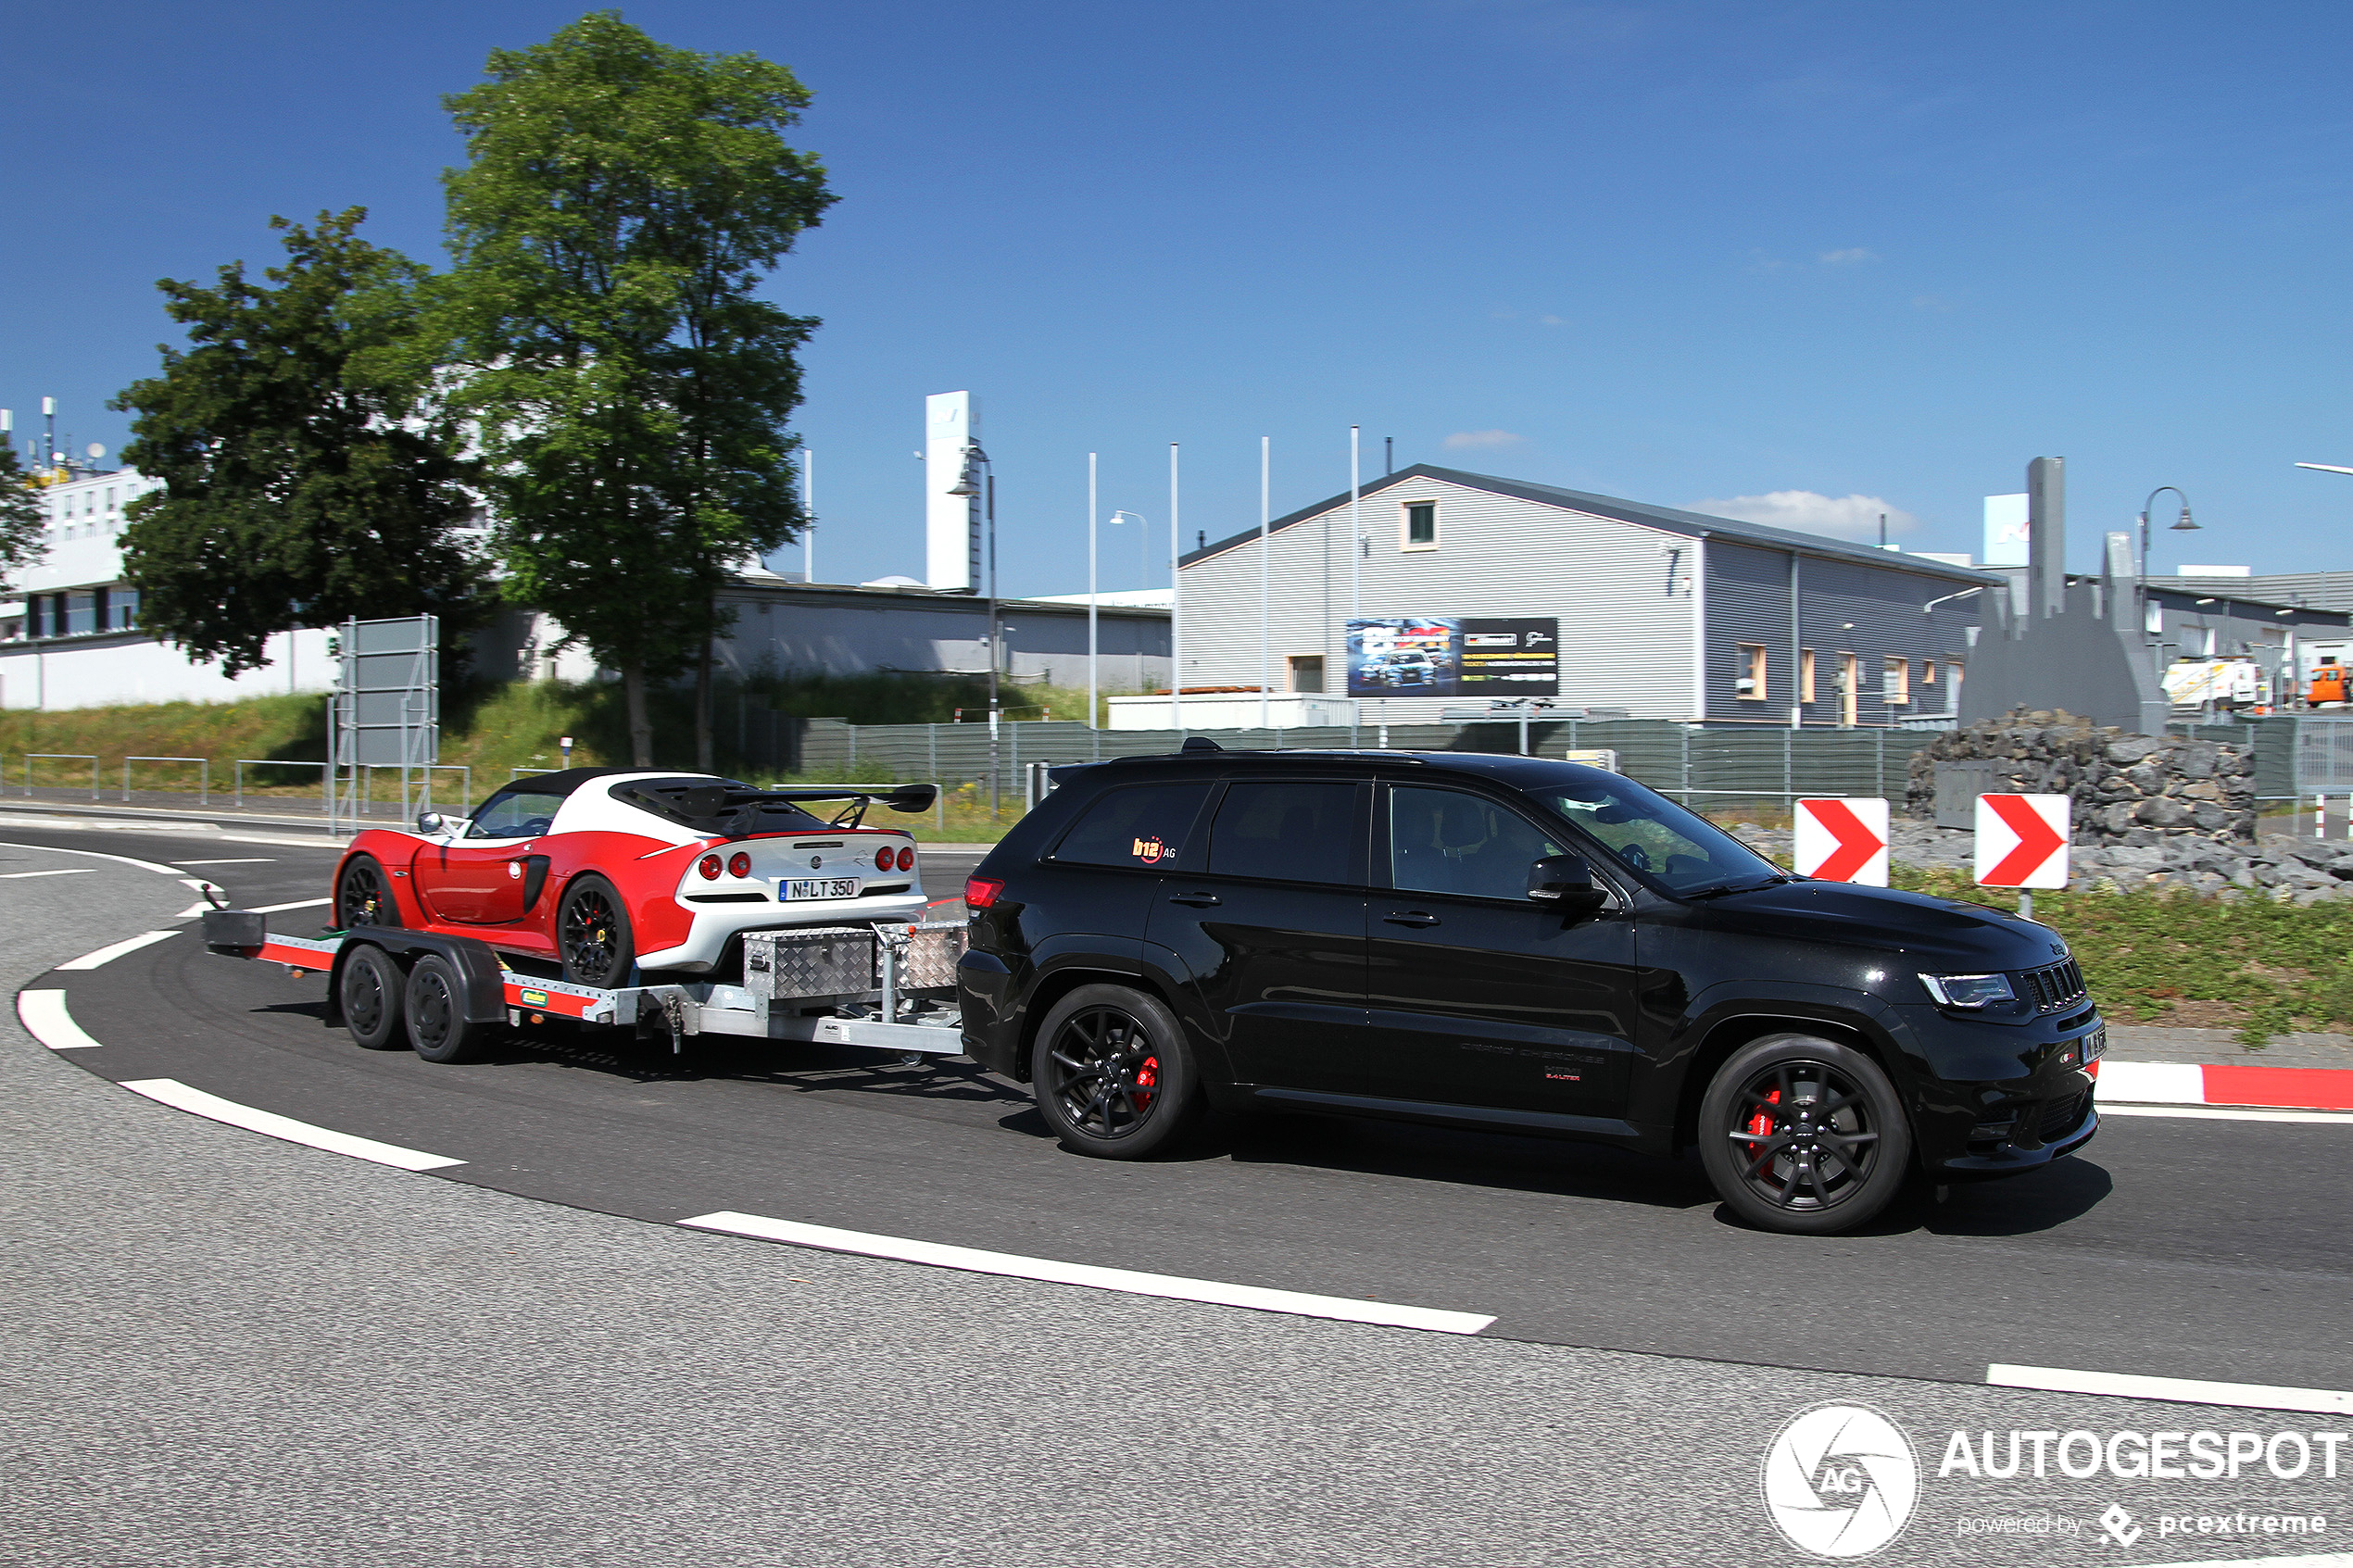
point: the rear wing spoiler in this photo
(733, 812)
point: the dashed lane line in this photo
(68, 871)
(45, 1019)
(974, 1261)
(180, 1097)
(108, 954)
(2182, 1390)
(257, 860)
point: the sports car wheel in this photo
(439, 1027)
(1112, 1074)
(363, 896)
(369, 991)
(593, 936)
(1803, 1135)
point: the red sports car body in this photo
(610, 871)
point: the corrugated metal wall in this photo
(1844, 606)
(1622, 594)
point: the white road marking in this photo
(45, 1019)
(2153, 1083)
(1127, 1280)
(2183, 1391)
(178, 1096)
(2323, 1560)
(259, 860)
(96, 855)
(282, 908)
(108, 954)
(74, 871)
(2230, 1114)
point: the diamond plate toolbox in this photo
(933, 948)
(826, 960)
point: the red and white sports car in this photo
(610, 870)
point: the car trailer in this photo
(887, 985)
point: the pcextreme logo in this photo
(1840, 1481)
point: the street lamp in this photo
(2184, 526)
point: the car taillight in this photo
(906, 857)
(740, 866)
(709, 866)
(980, 892)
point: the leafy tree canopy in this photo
(307, 475)
(21, 516)
(621, 202)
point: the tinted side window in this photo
(1139, 825)
(1445, 841)
(1296, 832)
(515, 814)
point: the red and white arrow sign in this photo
(2021, 840)
(1842, 840)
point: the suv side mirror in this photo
(1566, 882)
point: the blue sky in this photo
(1680, 253)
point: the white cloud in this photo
(1554, 320)
(1848, 258)
(1466, 439)
(1841, 517)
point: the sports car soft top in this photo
(614, 871)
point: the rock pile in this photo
(2289, 871)
(2132, 790)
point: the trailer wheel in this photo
(370, 992)
(439, 1027)
(1112, 1074)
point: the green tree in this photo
(621, 202)
(20, 516)
(307, 475)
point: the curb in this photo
(2183, 1082)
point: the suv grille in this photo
(2053, 987)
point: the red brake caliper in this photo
(1146, 1076)
(1762, 1123)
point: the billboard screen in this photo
(1453, 655)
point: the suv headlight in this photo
(1969, 990)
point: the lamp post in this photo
(2185, 525)
(979, 478)
(1092, 641)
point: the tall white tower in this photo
(951, 523)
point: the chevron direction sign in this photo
(1842, 840)
(2021, 840)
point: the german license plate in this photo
(2096, 1045)
(821, 887)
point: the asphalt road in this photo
(2172, 1247)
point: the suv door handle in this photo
(1198, 900)
(1410, 917)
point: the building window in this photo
(1806, 674)
(1850, 683)
(122, 603)
(1927, 671)
(81, 613)
(1895, 683)
(1420, 523)
(1306, 671)
(1749, 685)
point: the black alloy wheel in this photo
(370, 992)
(1803, 1135)
(363, 896)
(1112, 1075)
(593, 937)
(438, 1028)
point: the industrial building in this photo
(1435, 589)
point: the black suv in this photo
(1514, 943)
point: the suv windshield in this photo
(1666, 845)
